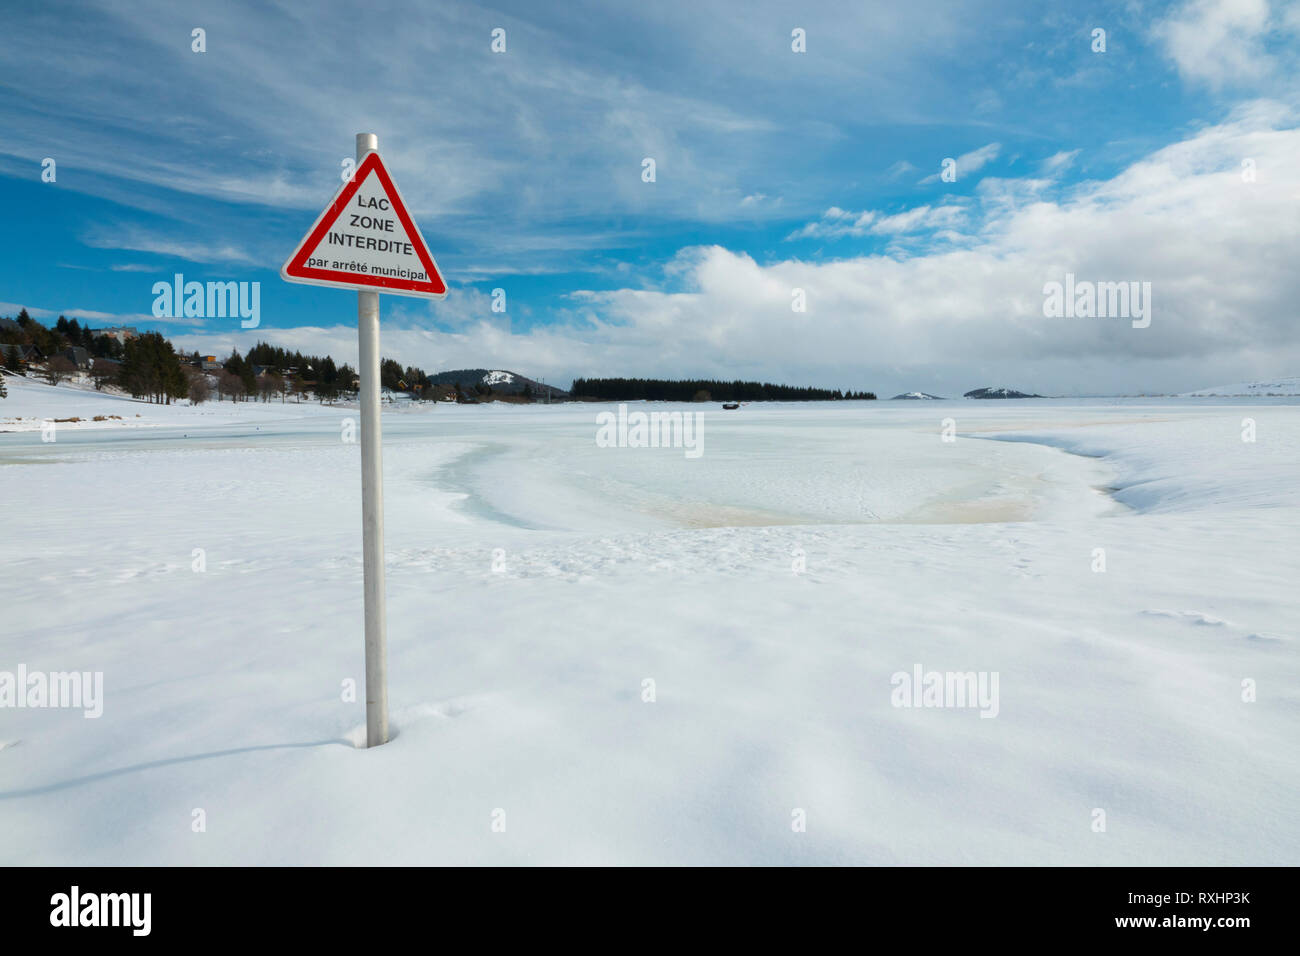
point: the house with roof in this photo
(78, 356)
(26, 353)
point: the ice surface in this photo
(535, 581)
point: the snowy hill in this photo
(917, 396)
(499, 380)
(1277, 386)
(1002, 392)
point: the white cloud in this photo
(919, 218)
(837, 223)
(1217, 254)
(82, 315)
(559, 123)
(1059, 162)
(13, 308)
(115, 318)
(489, 149)
(138, 240)
(1219, 257)
(1218, 42)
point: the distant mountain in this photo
(500, 381)
(998, 393)
(1277, 386)
(926, 396)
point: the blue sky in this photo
(775, 170)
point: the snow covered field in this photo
(771, 589)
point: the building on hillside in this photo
(26, 353)
(209, 363)
(120, 332)
(77, 356)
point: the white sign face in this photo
(365, 239)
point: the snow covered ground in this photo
(771, 589)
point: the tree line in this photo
(149, 366)
(702, 390)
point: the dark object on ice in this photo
(998, 393)
(730, 405)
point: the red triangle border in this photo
(296, 267)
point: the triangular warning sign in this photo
(365, 239)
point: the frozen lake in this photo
(631, 655)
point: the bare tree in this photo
(199, 389)
(58, 368)
(268, 383)
(230, 384)
(102, 374)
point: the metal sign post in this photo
(366, 240)
(372, 503)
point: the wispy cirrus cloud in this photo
(836, 223)
(82, 315)
(1059, 162)
(135, 239)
